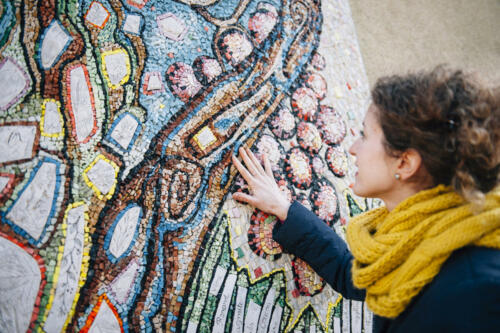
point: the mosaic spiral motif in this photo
(118, 120)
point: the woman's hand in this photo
(264, 192)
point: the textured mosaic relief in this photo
(118, 121)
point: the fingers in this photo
(243, 197)
(267, 166)
(252, 168)
(256, 162)
(243, 171)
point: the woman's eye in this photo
(362, 133)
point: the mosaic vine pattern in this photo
(118, 120)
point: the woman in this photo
(429, 259)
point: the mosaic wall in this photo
(117, 123)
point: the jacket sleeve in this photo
(308, 237)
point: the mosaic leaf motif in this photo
(118, 120)
(20, 281)
(124, 231)
(82, 110)
(70, 267)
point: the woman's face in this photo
(375, 177)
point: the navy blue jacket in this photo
(463, 297)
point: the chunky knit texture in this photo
(397, 253)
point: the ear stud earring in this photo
(397, 176)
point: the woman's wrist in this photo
(281, 210)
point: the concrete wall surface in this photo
(398, 36)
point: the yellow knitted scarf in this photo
(397, 253)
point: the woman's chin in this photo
(357, 190)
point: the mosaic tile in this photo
(298, 169)
(116, 67)
(224, 303)
(252, 317)
(308, 283)
(262, 22)
(132, 24)
(55, 40)
(137, 3)
(305, 103)
(153, 83)
(324, 201)
(5, 183)
(206, 69)
(122, 285)
(21, 278)
(52, 122)
(239, 310)
(331, 125)
(235, 45)
(106, 318)
(123, 231)
(336, 158)
(36, 204)
(69, 269)
(18, 142)
(182, 81)
(309, 137)
(100, 175)
(117, 125)
(124, 131)
(81, 103)
(97, 15)
(283, 124)
(14, 83)
(171, 26)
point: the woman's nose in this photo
(352, 149)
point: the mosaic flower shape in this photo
(264, 5)
(336, 158)
(206, 69)
(235, 46)
(309, 137)
(318, 84)
(275, 154)
(305, 103)
(260, 236)
(331, 125)
(318, 166)
(273, 150)
(304, 200)
(318, 61)
(283, 124)
(260, 233)
(137, 3)
(324, 201)
(262, 22)
(182, 81)
(307, 282)
(298, 170)
(285, 187)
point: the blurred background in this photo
(399, 36)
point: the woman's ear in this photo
(409, 164)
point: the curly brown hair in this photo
(451, 120)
